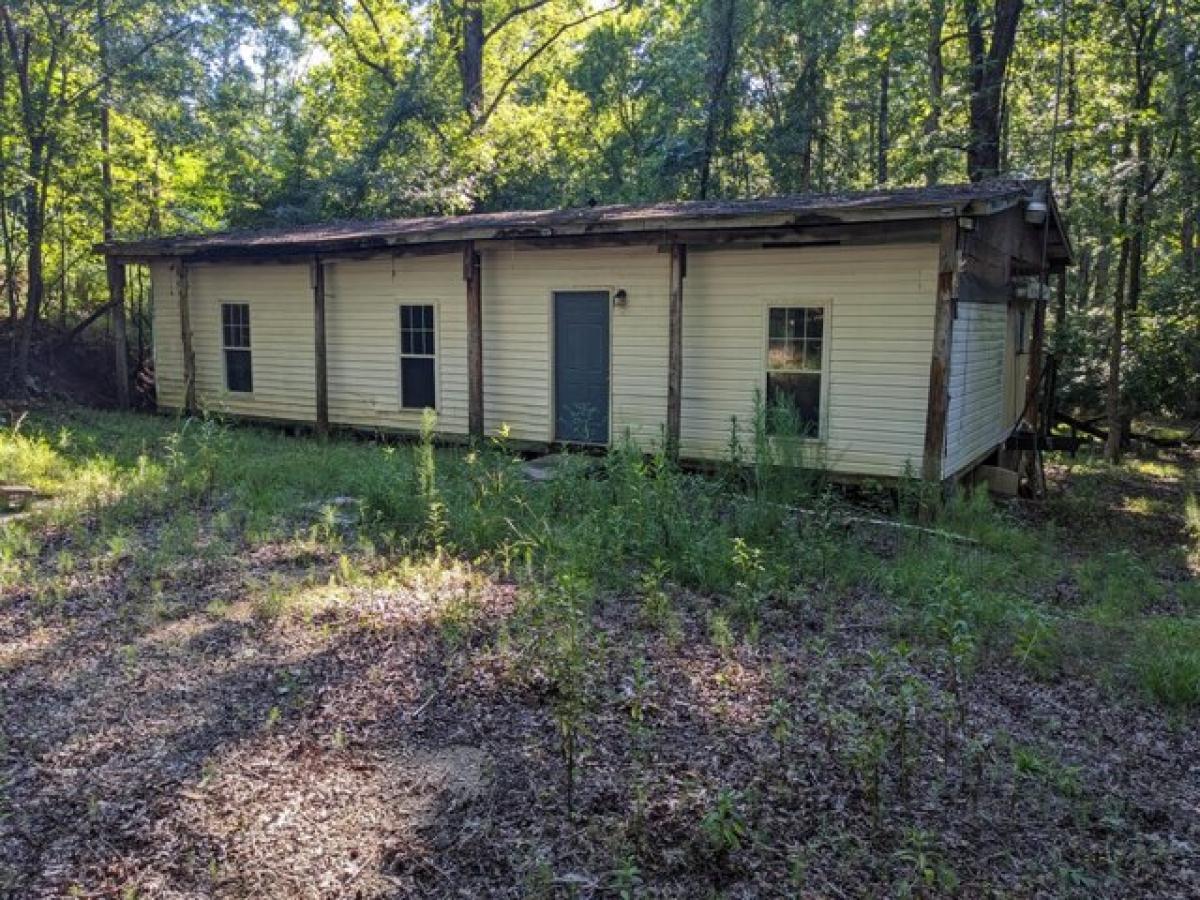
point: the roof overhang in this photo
(813, 218)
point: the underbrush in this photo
(766, 538)
(625, 612)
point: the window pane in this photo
(416, 330)
(778, 323)
(816, 323)
(793, 403)
(812, 356)
(238, 375)
(235, 324)
(416, 382)
(785, 355)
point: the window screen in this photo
(417, 356)
(235, 342)
(795, 354)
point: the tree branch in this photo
(534, 54)
(514, 13)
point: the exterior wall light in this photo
(621, 299)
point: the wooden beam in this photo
(472, 274)
(1037, 343)
(675, 348)
(185, 330)
(939, 364)
(322, 380)
(116, 304)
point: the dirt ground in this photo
(357, 746)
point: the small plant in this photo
(720, 633)
(656, 609)
(425, 470)
(925, 869)
(626, 879)
(724, 828)
(566, 641)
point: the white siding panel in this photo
(281, 338)
(168, 338)
(518, 364)
(976, 416)
(362, 338)
(880, 331)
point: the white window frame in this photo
(225, 389)
(825, 304)
(436, 356)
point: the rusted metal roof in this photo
(664, 218)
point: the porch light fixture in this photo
(621, 299)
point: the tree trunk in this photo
(1112, 406)
(470, 57)
(885, 79)
(720, 63)
(114, 270)
(988, 65)
(937, 78)
(35, 228)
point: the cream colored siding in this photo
(976, 420)
(518, 362)
(168, 339)
(281, 338)
(362, 338)
(879, 300)
(1016, 364)
(879, 325)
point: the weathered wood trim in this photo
(320, 356)
(678, 271)
(185, 332)
(472, 274)
(939, 364)
(1033, 375)
(907, 230)
(116, 302)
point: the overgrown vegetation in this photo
(706, 681)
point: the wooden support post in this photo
(675, 348)
(939, 365)
(319, 358)
(472, 274)
(185, 329)
(1037, 341)
(116, 299)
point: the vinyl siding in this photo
(1016, 364)
(281, 338)
(362, 339)
(168, 339)
(518, 286)
(976, 420)
(879, 329)
(879, 334)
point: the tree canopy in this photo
(186, 116)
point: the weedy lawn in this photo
(240, 664)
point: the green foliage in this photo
(724, 827)
(1167, 662)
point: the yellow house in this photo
(891, 322)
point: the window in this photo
(1020, 338)
(417, 355)
(235, 341)
(795, 359)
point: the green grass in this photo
(151, 496)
